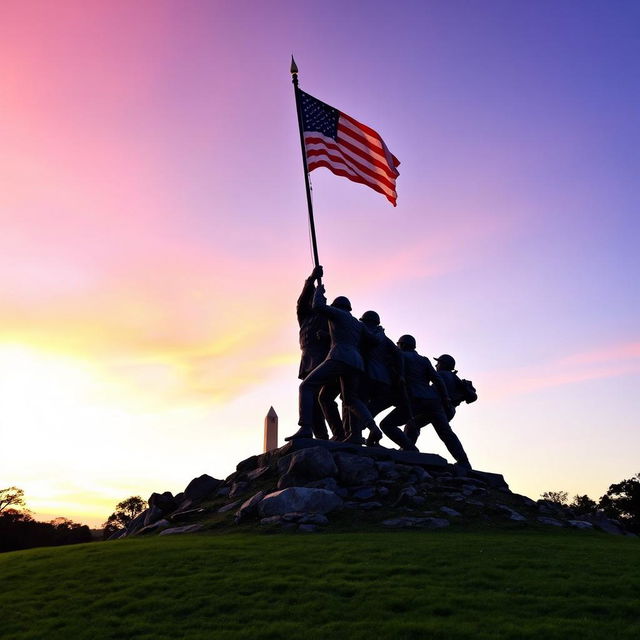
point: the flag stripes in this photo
(321, 148)
(346, 147)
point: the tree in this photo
(131, 507)
(18, 530)
(558, 497)
(65, 531)
(11, 497)
(125, 512)
(583, 505)
(622, 502)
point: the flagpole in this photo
(312, 226)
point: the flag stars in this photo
(318, 116)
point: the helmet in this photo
(341, 302)
(446, 362)
(370, 317)
(408, 341)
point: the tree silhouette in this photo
(125, 512)
(11, 497)
(622, 502)
(583, 505)
(18, 530)
(559, 497)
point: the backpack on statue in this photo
(468, 392)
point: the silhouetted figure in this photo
(314, 344)
(445, 366)
(384, 367)
(458, 390)
(430, 401)
(371, 349)
(344, 362)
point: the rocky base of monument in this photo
(315, 485)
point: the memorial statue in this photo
(427, 401)
(383, 381)
(343, 363)
(445, 366)
(459, 390)
(314, 344)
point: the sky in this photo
(155, 238)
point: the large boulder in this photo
(153, 514)
(356, 470)
(606, 524)
(202, 487)
(165, 502)
(190, 528)
(249, 508)
(153, 528)
(508, 512)
(238, 488)
(258, 473)
(229, 507)
(299, 499)
(308, 464)
(136, 524)
(261, 460)
(494, 480)
(329, 484)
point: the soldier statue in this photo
(314, 344)
(431, 401)
(343, 363)
(458, 392)
(384, 376)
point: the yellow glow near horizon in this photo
(86, 432)
(54, 407)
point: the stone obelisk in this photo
(271, 430)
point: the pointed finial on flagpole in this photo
(294, 72)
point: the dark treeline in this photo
(18, 530)
(621, 502)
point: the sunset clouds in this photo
(608, 361)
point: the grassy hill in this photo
(408, 584)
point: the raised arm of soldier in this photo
(337, 308)
(305, 301)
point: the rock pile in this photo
(309, 485)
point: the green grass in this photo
(398, 585)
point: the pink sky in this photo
(154, 230)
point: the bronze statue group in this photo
(355, 360)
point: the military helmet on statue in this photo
(370, 317)
(407, 342)
(342, 302)
(446, 361)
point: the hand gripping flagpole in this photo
(312, 227)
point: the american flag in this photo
(336, 141)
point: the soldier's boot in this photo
(302, 432)
(395, 435)
(461, 468)
(319, 426)
(412, 431)
(375, 435)
(320, 432)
